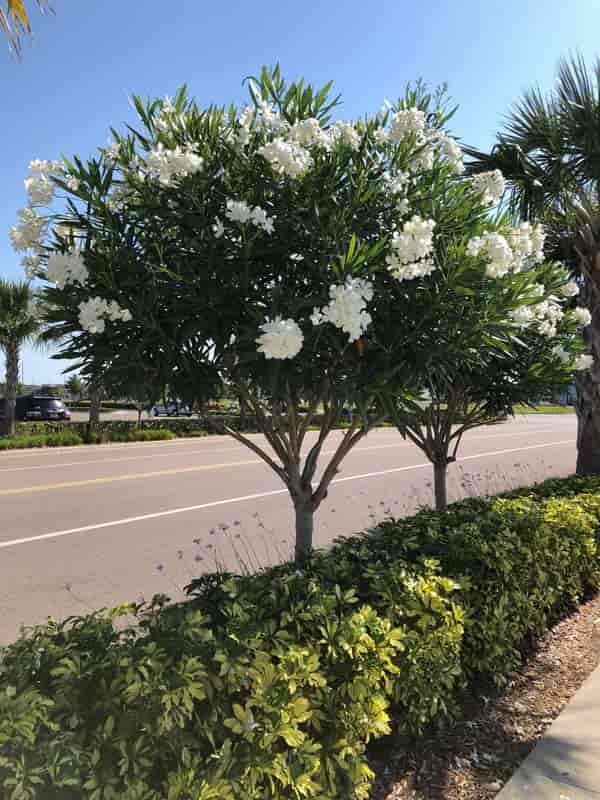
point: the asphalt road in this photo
(87, 527)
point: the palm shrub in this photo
(548, 153)
(19, 323)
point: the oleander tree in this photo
(271, 249)
(494, 329)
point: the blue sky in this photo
(76, 76)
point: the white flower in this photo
(410, 256)
(397, 182)
(238, 211)
(527, 244)
(346, 309)
(523, 315)
(66, 268)
(307, 132)
(490, 185)
(111, 154)
(166, 165)
(582, 316)
(570, 289)
(286, 158)
(218, 228)
(451, 152)
(40, 190)
(548, 313)
(281, 338)
(381, 136)
(296, 257)
(584, 361)
(269, 117)
(93, 314)
(496, 250)
(29, 231)
(31, 266)
(563, 355)
(348, 134)
(261, 220)
(73, 184)
(406, 122)
(45, 167)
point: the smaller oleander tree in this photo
(505, 335)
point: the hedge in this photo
(70, 438)
(271, 686)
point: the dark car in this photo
(34, 407)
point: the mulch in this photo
(472, 757)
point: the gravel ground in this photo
(475, 756)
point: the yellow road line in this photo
(47, 487)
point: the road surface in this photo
(94, 526)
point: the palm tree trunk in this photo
(95, 402)
(12, 382)
(588, 407)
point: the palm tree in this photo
(18, 324)
(74, 386)
(549, 154)
(15, 22)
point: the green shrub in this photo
(271, 686)
(64, 439)
(140, 435)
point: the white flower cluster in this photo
(451, 151)
(308, 132)
(563, 355)
(31, 266)
(527, 242)
(281, 338)
(65, 268)
(28, 232)
(347, 133)
(412, 248)
(347, 308)
(545, 315)
(584, 361)
(496, 250)
(510, 253)
(165, 165)
(582, 316)
(240, 211)
(286, 158)
(39, 184)
(490, 185)
(570, 289)
(407, 122)
(94, 312)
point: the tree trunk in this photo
(440, 474)
(12, 382)
(304, 528)
(95, 403)
(140, 408)
(588, 406)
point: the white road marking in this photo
(257, 496)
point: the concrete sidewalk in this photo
(565, 764)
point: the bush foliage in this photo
(271, 686)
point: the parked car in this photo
(174, 408)
(34, 407)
